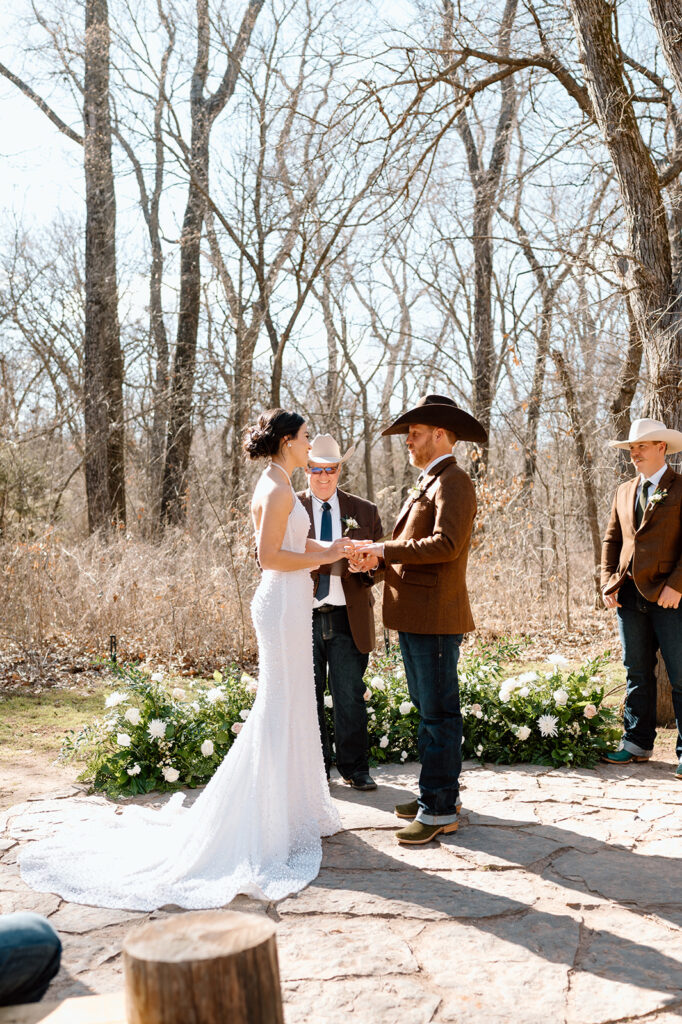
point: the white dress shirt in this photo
(336, 594)
(655, 479)
(432, 465)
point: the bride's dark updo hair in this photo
(263, 439)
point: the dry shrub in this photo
(184, 599)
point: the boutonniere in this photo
(349, 524)
(658, 496)
(415, 492)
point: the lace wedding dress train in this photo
(256, 829)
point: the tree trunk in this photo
(102, 358)
(624, 390)
(585, 467)
(648, 269)
(203, 968)
(665, 712)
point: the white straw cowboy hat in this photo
(651, 430)
(325, 451)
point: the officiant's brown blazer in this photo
(652, 553)
(357, 586)
(426, 561)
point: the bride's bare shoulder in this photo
(273, 490)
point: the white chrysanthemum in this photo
(114, 699)
(135, 770)
(123, 739)
(590, 711)
(328, 700)
(547, 724)
(157, 677)
(156, 729)
(558, 660)
(214, 694)
(133, 716)
(207, 748)
(170, 774)
(523, 732)
(244, 714)
(383, 742)
(560, 697)
(406, 707)
(178, 693)
(377, 683)
(237, 728)
(403, 755)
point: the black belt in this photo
(326, 608)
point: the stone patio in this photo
(559, 899)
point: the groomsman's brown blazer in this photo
(426, 561)
(655, 549)
(357, 586)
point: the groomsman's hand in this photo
(669, 598)
(611, 600)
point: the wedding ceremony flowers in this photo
(157, 735)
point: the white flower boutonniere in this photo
(349, 524)
(657, 497)
(415, 492)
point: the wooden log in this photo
(204, 967)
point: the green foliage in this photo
(151, 735)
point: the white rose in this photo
(524, 691)
(328, 701)
(207, 748)
(178, 693)
(475, 709)
(403, 755)
(590, 711)
(528, 677)
(123, 739)
(383, 742)
(479, 714)
(377, 682)
(523, 732)
(133, 716)
(195, 705)
(479, 749)
(405, 707)
(236, 728)
(558, 660)
(157, 677)
(560, 697)
(135, 770)
(367, 695)
(170, 774)
(244, 714)
(156, 729)
(248, 681)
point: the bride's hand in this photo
(336, 549)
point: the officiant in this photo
(343, 616)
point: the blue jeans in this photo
(30, 952)
(644, 628)
(339, 664)
(431, 669)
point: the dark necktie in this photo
(643, 502)
(325, 534)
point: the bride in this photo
(256, 828)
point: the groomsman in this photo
(426, 600)
(343, 617)
(641, 576)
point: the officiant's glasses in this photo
(323, 469)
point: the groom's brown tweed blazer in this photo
(426, 561)
(652, 553)
(357, 586)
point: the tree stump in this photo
(203, 968)
(665, 712)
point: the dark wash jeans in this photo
(644, 628)
(30, 952)
(339, 664)
(431, 668)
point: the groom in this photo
(426, 600)
(343, 611)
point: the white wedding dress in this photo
(256, 829)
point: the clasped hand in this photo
(365, 556)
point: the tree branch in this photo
(41, 104)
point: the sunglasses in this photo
(329, 470)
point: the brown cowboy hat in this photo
(439, 411)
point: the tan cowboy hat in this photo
(651, 430)
(325, 450)
(439, 411)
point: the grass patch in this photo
(37, 723)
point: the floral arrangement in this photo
(157, 736)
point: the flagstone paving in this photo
(559, 899)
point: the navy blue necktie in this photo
(325, 534)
